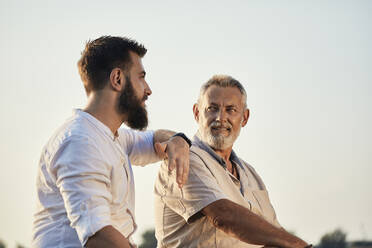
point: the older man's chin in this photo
(219, 143)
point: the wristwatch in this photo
(183, 136)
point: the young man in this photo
(85, 187)
(224, 202)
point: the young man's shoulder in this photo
(73, 129)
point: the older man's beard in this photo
(218, 141)
(131, 105)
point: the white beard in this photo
(218, 142)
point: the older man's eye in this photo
(211, 108)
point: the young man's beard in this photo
(131, 105)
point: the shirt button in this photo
(250, 205)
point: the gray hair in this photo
(224, 81)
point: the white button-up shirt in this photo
(85, 181)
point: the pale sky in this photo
(306, 66)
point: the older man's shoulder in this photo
(198, 155)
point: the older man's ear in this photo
(245, 117)
(195, 109)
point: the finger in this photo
(179, 172)
(160, 149)
(171, 164)
(186, 167)
(182, 180)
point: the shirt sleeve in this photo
(200, 190)
(139, 145)
(83, 179)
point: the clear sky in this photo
(306, 66)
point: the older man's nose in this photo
(221, 116)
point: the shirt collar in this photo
(98, 124)
(204, 146)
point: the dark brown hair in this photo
(102, 55)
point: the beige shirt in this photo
(178, 220)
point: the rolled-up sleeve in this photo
(200, 190)
(139, 145)
(83, 180)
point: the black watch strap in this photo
(183, 136)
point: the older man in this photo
(85, 184)
(225, 202)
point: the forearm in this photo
(248, 227)
(162, 135)
(107, 237)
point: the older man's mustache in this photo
(217, 124)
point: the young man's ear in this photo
(195, 109)
(245, 117)
(117, 79)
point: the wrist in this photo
(184, 137)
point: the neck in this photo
(103, 108)
(224, 154)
